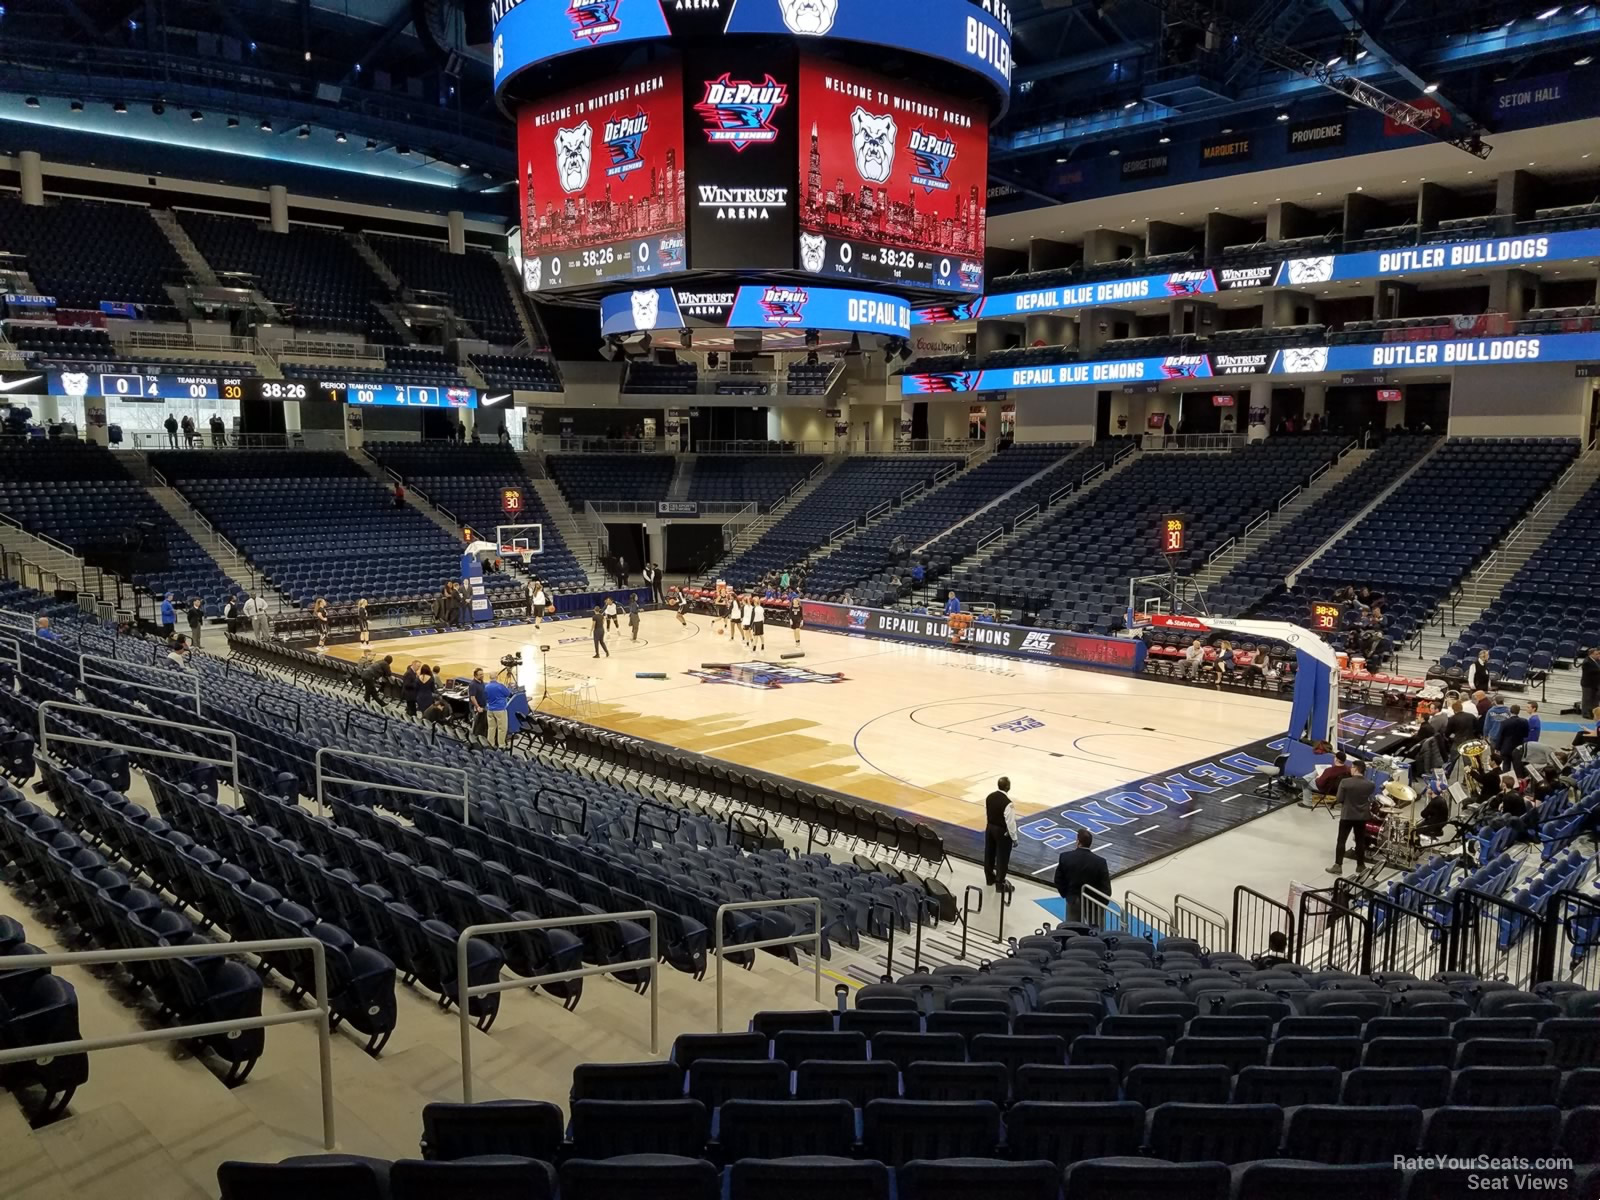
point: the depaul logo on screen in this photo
(622, 137)
(1185, 366)
(932, 154)
(783, 306)
(739, 113)
(593, 19)
(1189, 283)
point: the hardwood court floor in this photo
(917, 728)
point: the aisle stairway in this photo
(752, 533)
(414, 498)
(1245, 545)
(1006, 541)
(1484, 586)
(222, 552)
(579, 540)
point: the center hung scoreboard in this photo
(762, 135)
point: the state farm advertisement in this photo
(892, 179)
(602, 180)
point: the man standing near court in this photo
(598, 616)
(496, 699)
(477, 703)
(1077, 869)
(169, 616)
(999, 834)
(1589, 681)
(952, 605)
(1355, 810)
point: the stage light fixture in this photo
(32, 102)
(1283, 114)
(233, 122)
(305, 132)
(1429, 89)
(159, 109)
(196, 115)
(371, 145)
(403, 151)
(1164, 140)
(76, 106)
(265, 126)
(340, 138)
(120, 108)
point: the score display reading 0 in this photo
(1172, 531)
(893, 180)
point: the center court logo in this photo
(739, 113)
(623, 136)
(764, 676)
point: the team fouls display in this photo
(893, 179)
(602, 175)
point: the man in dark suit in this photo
(1512, 737)
(1355, 796)
(1463, 724)
(1589, 681)
(1078, 868)
(999, 834)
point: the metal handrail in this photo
(321, 1014)
(87, 675)
(1091, 899)
(323, 778)
(814, 937)
(15, 657)
(466, 992)
(45, 738)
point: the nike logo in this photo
(500, 399)
(11, 385)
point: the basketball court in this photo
(1151, 767)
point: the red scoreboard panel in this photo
(1173, 529)
(893, 180)
(601, 171)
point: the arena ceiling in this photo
(351, 86)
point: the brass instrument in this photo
(1474, 757)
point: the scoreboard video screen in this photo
(893, 180)
(601, 172)
(134, 385)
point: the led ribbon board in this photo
(754, 306)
